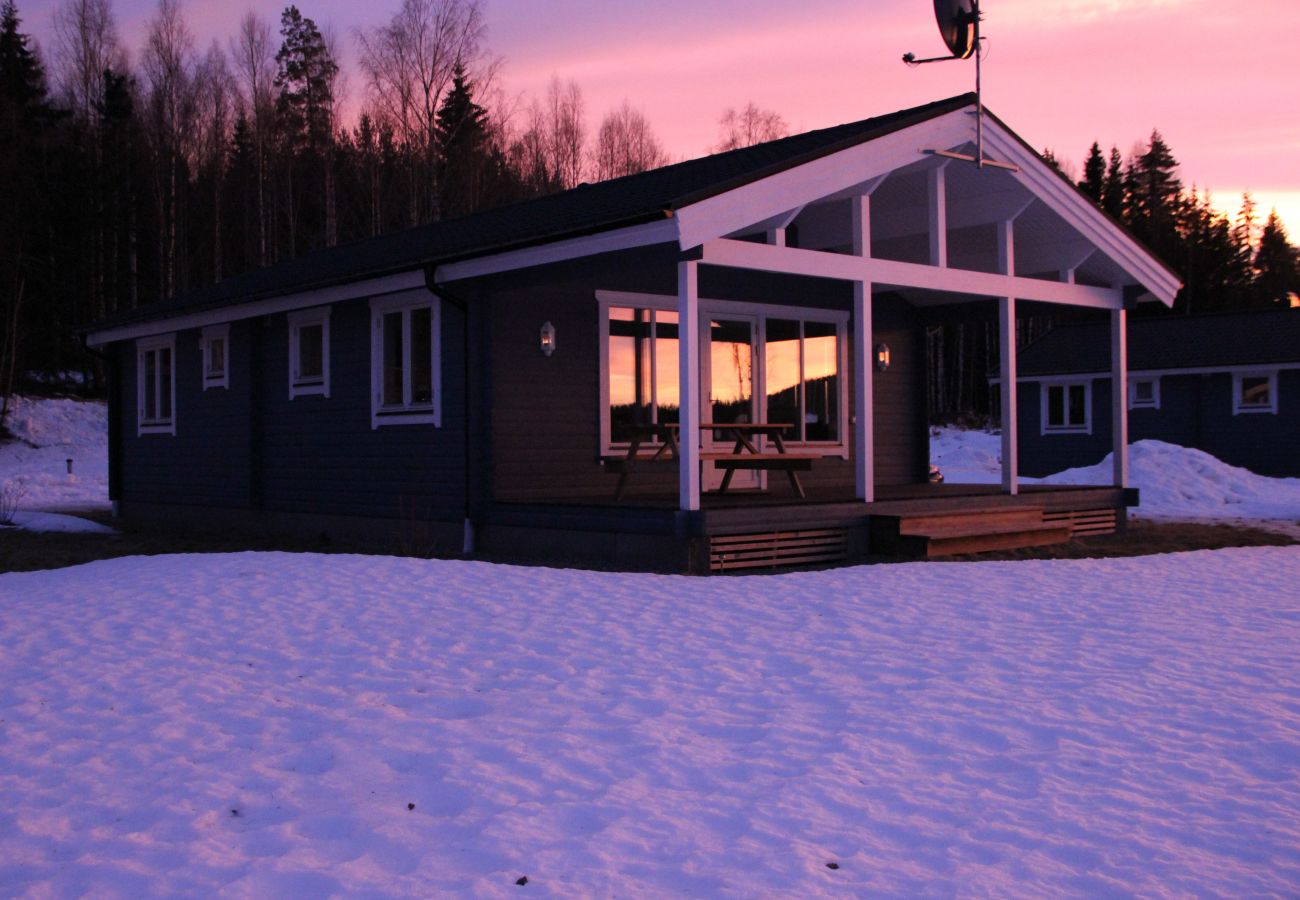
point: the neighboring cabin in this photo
(1227, 383)
(480, 382)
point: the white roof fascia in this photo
(842, 266)
(1081, 215)
(371, 287)
(1235, 369)
(660, 231)
(757, 201)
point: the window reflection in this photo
(643, 376)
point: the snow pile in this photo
(294, 725)
(41, 521)
(1174, 482)
(49, 432)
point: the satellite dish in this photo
(957, 20)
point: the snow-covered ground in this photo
(276, 725)
(1174, 482)
(50, 432)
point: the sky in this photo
(1218, 80)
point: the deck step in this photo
(775, 549)
(967, 541)
(930, 533)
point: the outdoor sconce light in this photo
(882, 357)
(548, 338)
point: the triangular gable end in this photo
(1059, 233)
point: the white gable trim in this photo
(757, 201)
(371, 287)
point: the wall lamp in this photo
(882, 357)
(548, 338)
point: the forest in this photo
(130, 178)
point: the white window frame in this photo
(407, 413)
(298, 386)
(145, 347)
(1134, 402)
(1238, 408)
(209, 378)
(1065, 384)
(759, 311)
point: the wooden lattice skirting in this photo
(777, 548)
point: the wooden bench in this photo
(789, 463)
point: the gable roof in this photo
(583, 210)
(1265, 337)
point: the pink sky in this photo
(1217, 79)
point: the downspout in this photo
(467, 546)
(113, 371)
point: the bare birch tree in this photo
(566, 131)
(215, 105)
(86, 44)
(254, 56)
(408, 65)
(626, 145)
(168, 66)
(749, 126)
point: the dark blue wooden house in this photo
(1228, 384)
(713, 364)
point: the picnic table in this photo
(745, 454)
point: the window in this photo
(404, 353)
(1254, 392)
(1067, 408)
(156, 384)
(642, 369)
(214, 348)
(309, 352)
(792, 360)
(802, 378)
(1144, 393)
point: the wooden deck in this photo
(763, 529)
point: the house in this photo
(1228, 384)
(498, 381)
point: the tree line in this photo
(127, 183)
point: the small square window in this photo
(214, 347)
(1065, 408)
(309, 352)
(1254, 392)
(1144, 393)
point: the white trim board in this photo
(1160, 373)
(357, 290)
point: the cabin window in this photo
(309, 353)
(214, 348)
(405, 361)
(1254, 392)
(802, 378)
(1144, 393)
(156, 385)
(641, 349)
(1067, 408)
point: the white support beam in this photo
(1007, 353)
(846, 267)
(1119, 393)
(776, 237)
(937, 195)
(864, 422)
(1010, 425)
(688, 362)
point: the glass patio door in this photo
(731, 396)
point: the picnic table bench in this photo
(744, 455)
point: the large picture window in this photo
(1067, 408)
(156, 385)
(642, 371)
(788, 365)
(309, 352)
(405, 361)
(802, 375)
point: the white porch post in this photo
(1007, 342)
(937, 185)
(864, 430)
(1119, 393)
(688, 361)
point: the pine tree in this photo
(1094, 174)
(1112, 191)
(463, 148)
(1277, 268)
